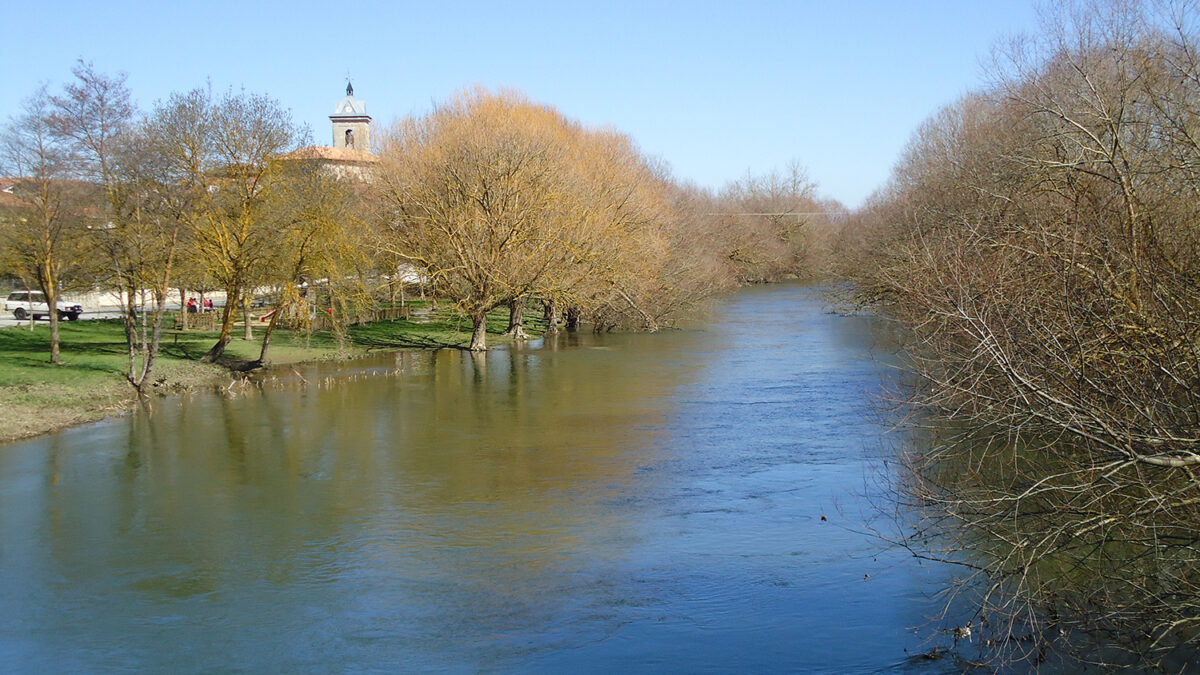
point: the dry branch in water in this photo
(1040, 243)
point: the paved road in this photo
(7, 319)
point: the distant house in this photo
(73, 198)
(7, 195)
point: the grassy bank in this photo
(89, 384)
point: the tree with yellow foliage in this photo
(240, 139)
(318, 236)
(499, 199)
(474, 194)
(42, 229)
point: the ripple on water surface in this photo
(632, 502)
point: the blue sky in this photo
(715, 89)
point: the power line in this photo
(786, 213)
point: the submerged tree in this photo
(475, 196)
(501, 201)
(1040, 243)
(766, 221)
(615, 256)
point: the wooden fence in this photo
(325, 321)
(198, 321)
(209, 321)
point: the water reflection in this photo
(641, 501)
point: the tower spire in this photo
(351, 124)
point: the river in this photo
(688, 501)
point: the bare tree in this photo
(40, 239)
(142, 205)
(1039, 244)
(765, 222)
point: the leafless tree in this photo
(41, 235)
(1038, 241)
(141, 209)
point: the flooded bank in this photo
(691, 501)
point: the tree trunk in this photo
(479, 333)
(249, 334)
(572, 319)
(183, 317)
(50, 292)
(266, 342)
(516, 319)
(228, 315)
(130, 318)
(55, 356)
(150, 344)
(128, 324)
(551, 317)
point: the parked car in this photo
(25, 303)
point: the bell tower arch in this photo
(351, 123)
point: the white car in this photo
(25, 303)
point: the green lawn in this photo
(439, 329)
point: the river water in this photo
(645, 503)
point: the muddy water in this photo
(646, 503)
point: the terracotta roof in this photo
(7, 199)
(11, 193)
(8, 192)
(332, 154)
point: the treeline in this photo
(502, 201)
(192, 195)
(488, 200)
(1040, 242)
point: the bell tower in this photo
(351, 123)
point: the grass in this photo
(439, 329)
(89, 384)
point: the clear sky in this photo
(715, 89)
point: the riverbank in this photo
(89, 384)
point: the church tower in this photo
(351, 124)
